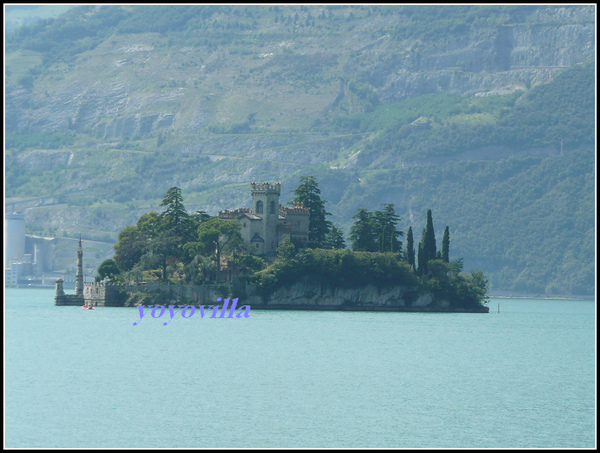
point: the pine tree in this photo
(308, 192)
(385, 229)
(175, 216)
(362, 233)
(335, 238)
(446, 245)
(410, 248)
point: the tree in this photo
(429, 246)
(335, 239)
(149, 224)
(170, 231)
(175, 217)
(131, 245)
(308, 192)
(166, 248)
(217, 235)
(362, 233)
(422, 264)
(134, 275)
(479, 286)
(108, 269)
(446, 245)
(384, 223)
(410, 248)
(286, 249)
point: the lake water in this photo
(521, 378)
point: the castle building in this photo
(267, 223)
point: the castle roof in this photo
(238, 213)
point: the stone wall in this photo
(105, 294)
(69, 299)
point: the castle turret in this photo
(59, 287)
(79, 276)
(265, 202)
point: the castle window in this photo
(259, 207)
(244, 224)
(272, 208)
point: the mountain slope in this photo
(464, 110)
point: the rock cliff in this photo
(310, 296)
(135, 85)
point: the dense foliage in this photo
(308, 192)
(376, 231)
(177, 246)
(388, 267)
(529, 222)
(173, 243)
(348, 269)
(548, 115)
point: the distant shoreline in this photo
(541, 296)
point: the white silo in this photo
(14, 225)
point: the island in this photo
(279, 257)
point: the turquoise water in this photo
(521, 378)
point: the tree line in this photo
(189, 246)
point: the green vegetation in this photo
(548, 114)
(180, 247)
(308, 192)
(410, 249)
(427, 246)
(377, 259)
(108, 269)
(528, 221)
(445, 252)
(20, 141)
(357, 269)
(352, 269)
(376, 231)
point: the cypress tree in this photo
(410, 249)
(446, 245)
(429, 247)
(421, 269)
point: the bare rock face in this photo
(507, 59)
(136, 85)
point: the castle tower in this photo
(59, 287)
(265, 203)
(79, 276)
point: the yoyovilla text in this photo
(187, 311)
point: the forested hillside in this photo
(483, 114)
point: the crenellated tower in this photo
(265, 204)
